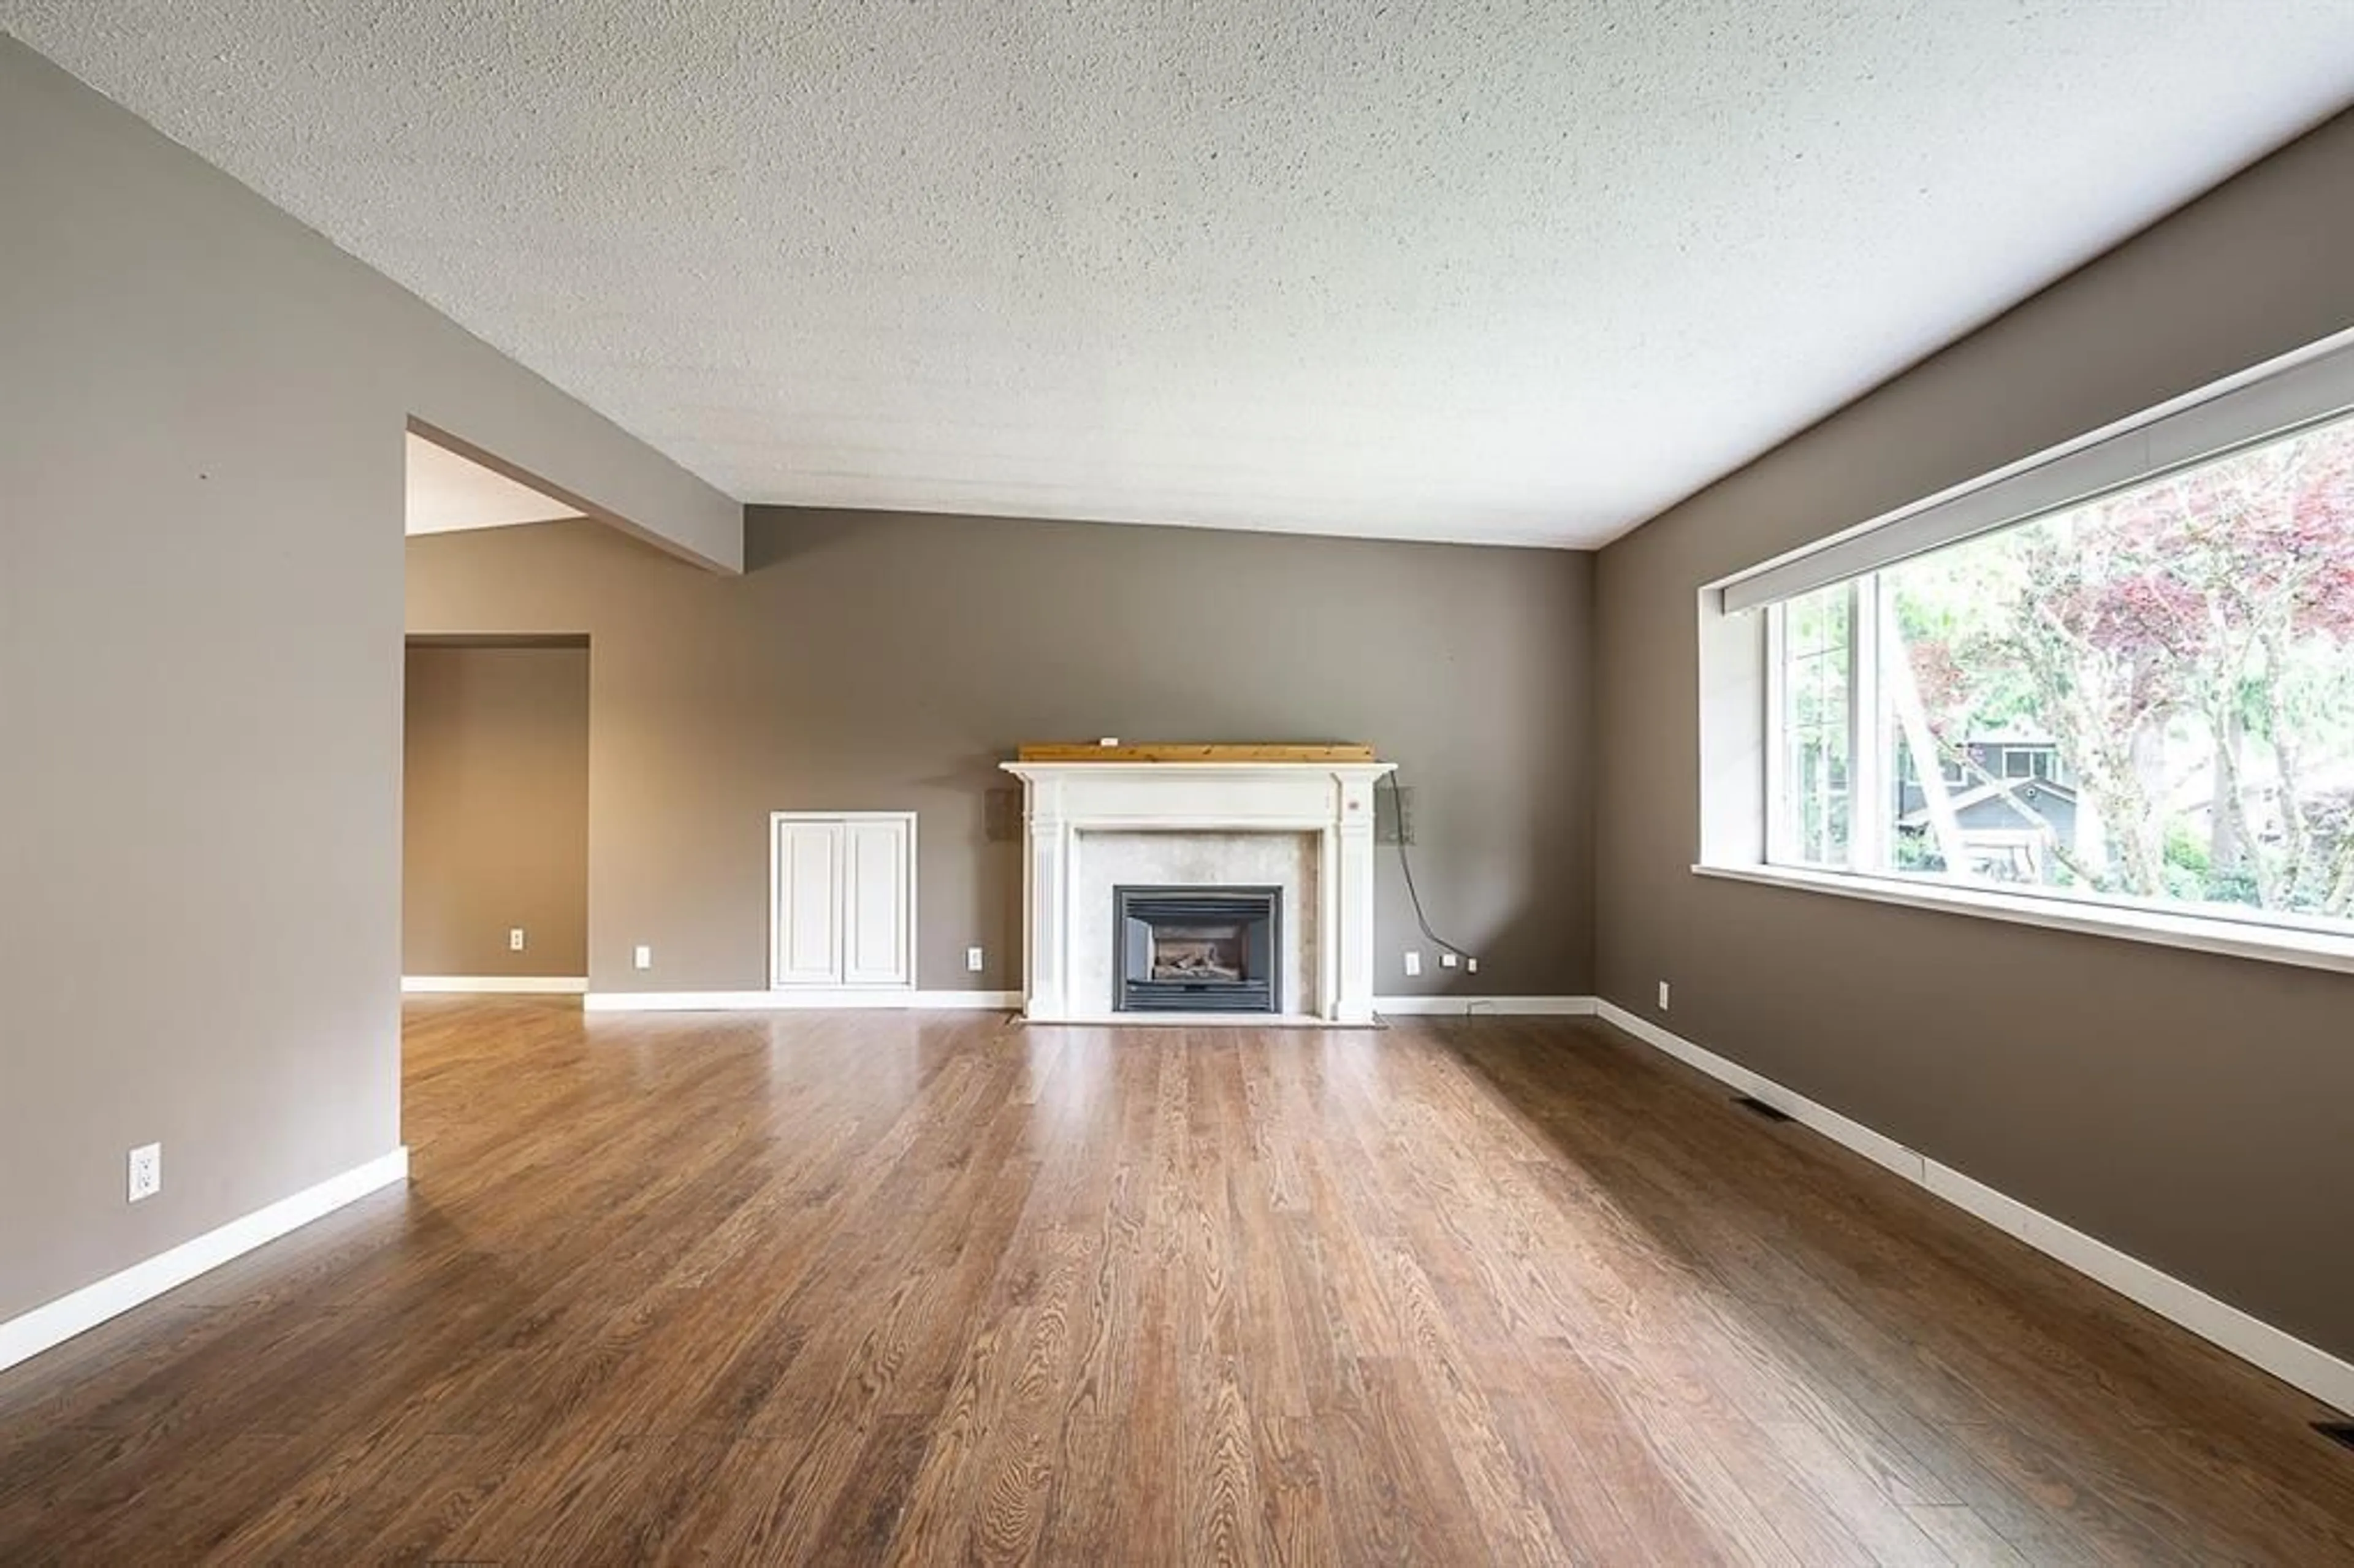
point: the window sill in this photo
(2233, 938)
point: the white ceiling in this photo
(1489, 270)
(448, 493)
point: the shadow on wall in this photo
(814, 533)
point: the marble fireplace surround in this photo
(1305, 826)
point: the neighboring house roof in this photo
(2018, 732)
(2033, 792)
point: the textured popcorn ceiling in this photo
(1521, 269)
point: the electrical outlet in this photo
(146, 1171)
(1412, 962)
(644, 958)
(972, 960)
(1470, 966)
(515, 939)
(1446, 960)
(1663, 996)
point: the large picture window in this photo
(2144, 698)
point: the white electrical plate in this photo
(146, 1171)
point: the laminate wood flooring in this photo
(929, 1288)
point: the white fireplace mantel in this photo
(1331, 802)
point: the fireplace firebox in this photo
(1197, 950)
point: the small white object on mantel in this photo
(1109, 740)
(1332, 803)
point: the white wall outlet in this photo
(1470, 966)
(1412, 962)
(515, 939)
(146, 1171)
(1663, 996)
(972, 960)
(1446, 960)
(644, 957)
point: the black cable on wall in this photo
(1397, 803)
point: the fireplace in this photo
(1093, 827)
(1196, 949)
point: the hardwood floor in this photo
(935, 1288)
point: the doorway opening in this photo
(494, 815)
(494, 765)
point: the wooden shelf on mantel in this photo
(1198, 751)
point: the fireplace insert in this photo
(1196, 949)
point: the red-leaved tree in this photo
(2194, 596)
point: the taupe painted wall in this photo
(494, 811)
(889, 662)
(2196, 1111)
(200, 667)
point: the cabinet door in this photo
(809, 903)
(878, 889)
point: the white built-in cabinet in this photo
(842, 888)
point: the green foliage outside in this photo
(2188, 648)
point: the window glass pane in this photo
(2150, 696)
(1816, 651)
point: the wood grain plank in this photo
(926, 1288)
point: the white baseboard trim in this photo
(1463, 1006)
(899, 1000)
(24, 1336)
(1189, 1020)
(2307, 1367)
(494, 985)
(1875, 1147)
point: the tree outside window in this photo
(2150, 695)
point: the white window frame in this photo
(1869, 819)
(1747, 842)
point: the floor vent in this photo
(1755, 1106)
(2337, 1431)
